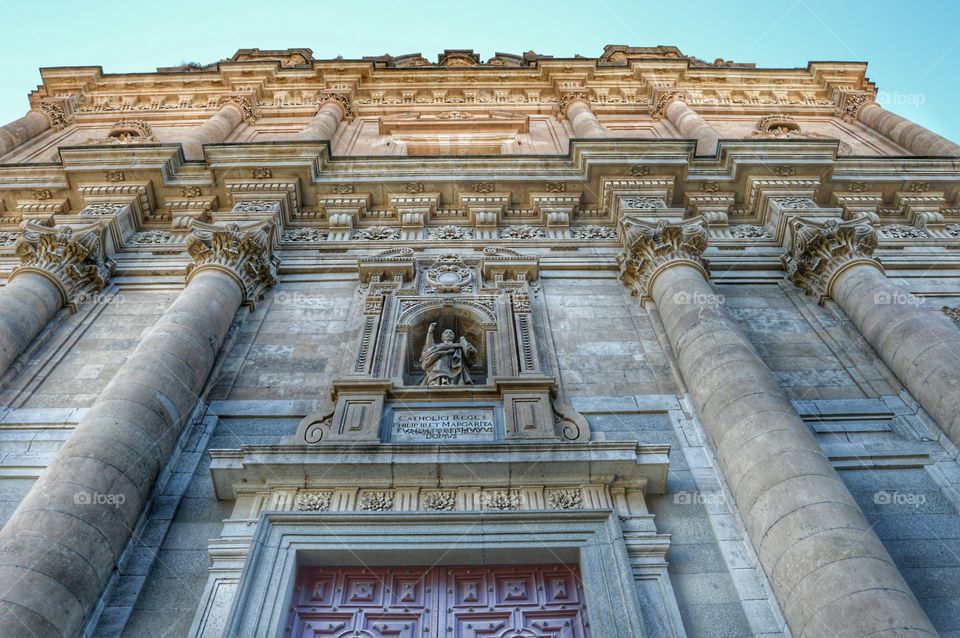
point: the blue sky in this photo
(913, 47)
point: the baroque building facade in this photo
(637, 345)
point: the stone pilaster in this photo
(59, 548)
(58, 266)
(575, 107)
(334, 108)
(919, 344)
(672, 105)
(911, 136)
(827, 567)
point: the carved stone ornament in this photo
(501, 500)
(648, 247)
(952, 229)
(448, 273)
(55, 113)
(313, 501)
(851, 104)
(820, 251)
(780, 126)
(246, 103)
(450, 232)
(592, 231)
(447, 362)
(126, 132)
(340, 100)
(748, 231)
(568, 98)
(8, 238)
(565, 499)
(642, 203)
(900, 231)
(953, 314)
(662, 101)
(376, 501)
(305, 234)
(72, 258)
(521, 232)
(245, 253)
(440, 501)
(377, 233)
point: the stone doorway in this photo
(505, 601)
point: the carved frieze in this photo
(651, 246)
(72, 258)
(820, 251)
(592, 231)
(377, 233)
(900, 231)
(305, 235)
(522, 232)
(246, 253)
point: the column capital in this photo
(72, 258)
(243, 252)
(568, 97)
(819, 251)
(850, 103)
(649, 247)
(662, 98)
(247, 103)
(57, 111)
(337, 99)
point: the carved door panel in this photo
(530, 601)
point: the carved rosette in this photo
(650, 247)
(820, 251)
(72, 258)
(244, 253)
(340, 100)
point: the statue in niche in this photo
(447, 362)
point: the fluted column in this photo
(576, 108)
(829, 571)
(909, 135)
(217, 127)
(334, 108)
(920, 345)
(673, 107)
(60, 546)
(57, 266)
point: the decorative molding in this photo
(649, 247)
(304, 235)
(522, 232)
(900, 231)
(592, 231)
(819, 251)
(450, 232)
(377, 233)
(246, 253)
(72, 258)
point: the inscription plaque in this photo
(436, 425)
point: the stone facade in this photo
(637, 345)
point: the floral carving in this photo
(412, 188)
(8, 238)
(900, 231)
(649, 246)
(443, 501)
(556, 187)
(256, 206)
(501, 499)
(55, 113)
(376, 501)
(313, 501)
(592, 231)
(73, 259)
(852, 104)
(952, 229)
(101, 208)
(377, 233)
(261, 173)
(953, 314)
(191, 191)
(450, 232)
(565, 499)
(747, 231)
(639, 170)
(342, 189)
(795, 203)
(151, 237)
(244, 252)
(305, 234)
(642, 203)
(521, 232)
(340, 100)
(247, 105)
(114, 176)
(43, 194)
(568, 98)
(819, 251)
(662, 101)
(484, 187)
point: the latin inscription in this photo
(437, 426)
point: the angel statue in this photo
(447, 362)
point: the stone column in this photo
(333, 109)
(576, 108)
(57, 266)
(922, 347)
(829, 571)
(218, 127)
(60, 546)
(911, 136)
(19, 131)
(673, 107)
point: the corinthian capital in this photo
(245, 253)
(72, 258)
(820, 251)
(649, 247)
(339, 99)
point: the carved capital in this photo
(850, 104)
(246, 103)
(245, 253)
(565, 99)
(650, 247)
(72, 258)
(56, 112)
(340, 100)
(663, 99)
(820, 251)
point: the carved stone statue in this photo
(447, 362)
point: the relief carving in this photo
(245, 253)
(649, 247)
(72, 258)
(447, 362)
(819, 251)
